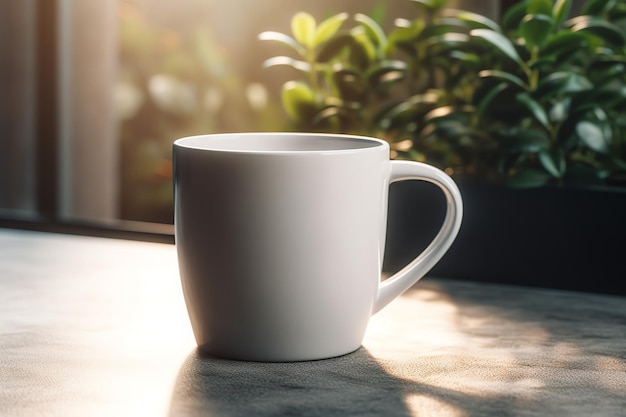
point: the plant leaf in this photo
(514, 15)
(366, 51)
(473, 20)
(607, 97)
(330, 113)
(607, 31)
(486, 100)
(530, 178)
(328, 28)
(592, 135)
(431, 5)
(282, 38)
(535, 29)
(440, 43)
(468, 59)
(608, 67)
(596, 7)
(303, 27)
(617, 12)
(539, 7)
(448, 112)
(498, 40)
(519, 140)
(299, 100)
(285, 60)
(504, 76)
(373, 29)
(554, 164)
(333, 47)
(529, 140)
(564, 42)
(387, 72)
(534, 107)
(559, 110)
(562, 82)
(404, 35)
(400, 114)
(560, 11)
(349, 84)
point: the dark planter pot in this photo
(553, 237)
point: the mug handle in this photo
(414, 271)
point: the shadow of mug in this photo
(349, 385)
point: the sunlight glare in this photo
(425, 406)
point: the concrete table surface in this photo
(98, 327)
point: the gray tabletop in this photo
(98, 327)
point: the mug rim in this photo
(366, 143)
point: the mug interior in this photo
(278, 142)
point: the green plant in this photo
(344, 72)
(534, 98)
(553, 92)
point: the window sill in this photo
(115, 229)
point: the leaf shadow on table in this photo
(352, 385)
(555, 352)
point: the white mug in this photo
(280, 240)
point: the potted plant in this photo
(531, 101)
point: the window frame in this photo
(48, 216)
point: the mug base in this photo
(206, 351)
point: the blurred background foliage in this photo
(194, 67)
(533, 96)
(175, 79)
(536, 96)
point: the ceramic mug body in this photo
(280, 239)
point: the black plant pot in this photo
(553, 237)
